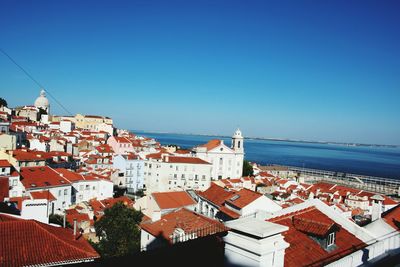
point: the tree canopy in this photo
(3, 102)
(118, 231)
(247, 169)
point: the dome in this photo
(237, 134)
(42, 101)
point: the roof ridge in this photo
(291, 214)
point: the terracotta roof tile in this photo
(172, 200)
(304, 251)
(3, 188)
(392, 217)
(43, 195)
(216, 194)
(22, 238)
(186, 160)
(188, 221)
(243, 198)
(212, 144)
(4, 163)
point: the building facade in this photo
(227, 162)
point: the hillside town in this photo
(75, 168)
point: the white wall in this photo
(261, 204)
(63, 195)
(232, 162)
(35, 209)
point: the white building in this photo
(221, 203)
(171, 173)
(227, 162)
(86, 187)
(132, 169)
(66, 126)
(46, 179)
(307, 234)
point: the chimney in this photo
(156, 216)
(74, 228)
(376, 207)
(166, 158)
(64, 220)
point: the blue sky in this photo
(316, 70)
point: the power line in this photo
(35, 81)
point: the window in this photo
(81, 187)
(331, 239)
(15, 182)
(59, 193)
(65, 192)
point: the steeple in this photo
(237, 141)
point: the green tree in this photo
(118, 231)
(247, 169)
(3, 102)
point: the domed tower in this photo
(42, 102)
(237, 141)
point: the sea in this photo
(363, 160)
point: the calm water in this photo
(375, 161)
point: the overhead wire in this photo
(35, 81)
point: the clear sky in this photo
(319, 70)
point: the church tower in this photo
(237, 142)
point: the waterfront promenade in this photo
(387, 186)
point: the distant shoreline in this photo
(277, 139)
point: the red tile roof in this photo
(389, 201)
(28, 242)
(216, 194)
(43, 195)
(37, 177)
(188, 221)
(304, 251)
(229, 212)
(243, 198)
(29, 155)
(212, 144)
(392, 217)
(100, 205)
(73, 214)
(123, 140)
(104, 148)
(3, 188)
(173, 200)
(186, 160)
(4, 163)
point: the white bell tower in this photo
(237, 141)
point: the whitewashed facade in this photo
(227, 162)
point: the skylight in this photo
(234, 197)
